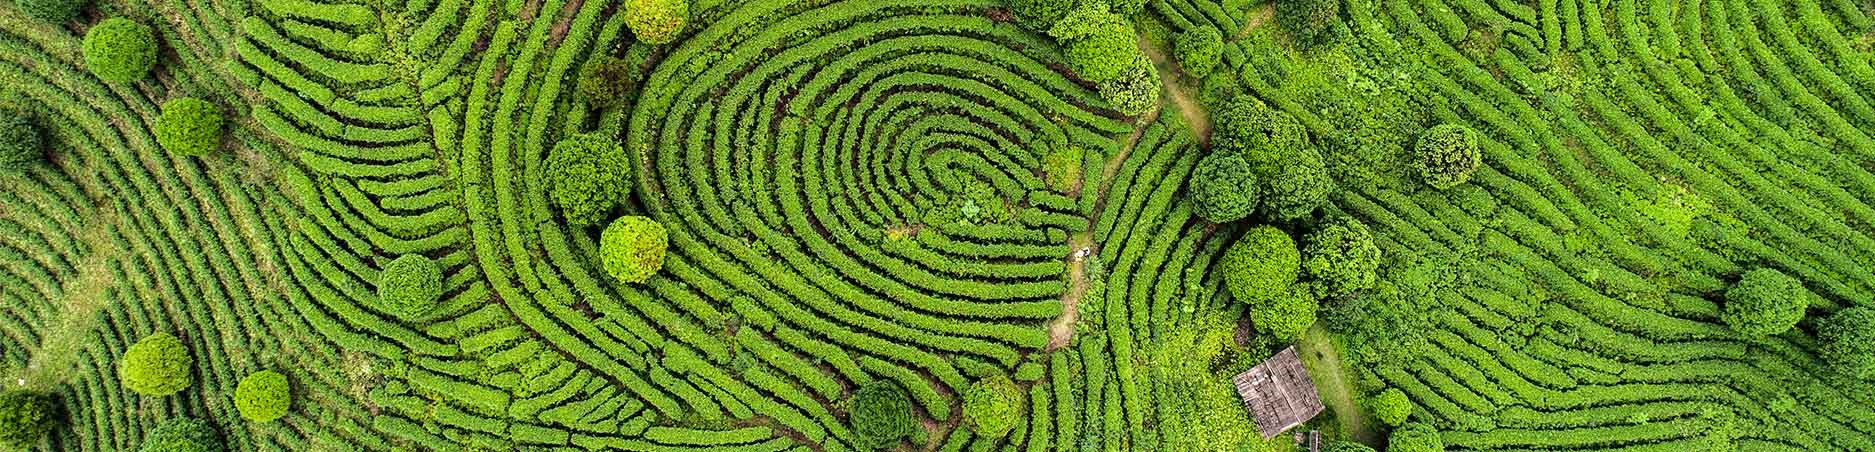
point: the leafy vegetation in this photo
(25, 417)
(156, 366)
(189, 126)
(120, 50)
(21, 142)
(263, 396)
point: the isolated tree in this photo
(632, 248)
(1415, 437)
(120, 50)
(21, 141)
(182, 435)
(656, 22)
(25, 417)
(1765, 302)
(1341, 258)
(263, 396)
(409, 286)
(54, 11)
(1309, 22)
(1261, 264)
(1447, 154)
(189, 126)
(1848, 339)
(1285, 316)
(156, 366)
(993, 406)
(1391, 407)
(588, 175)
(1099, 44)
(1300, 186)
(1199, 50)
(881, 414)
(1135, 91)
(1224, 188)
(605, 81)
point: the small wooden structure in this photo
(1278, 393)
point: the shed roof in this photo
(1278, 393)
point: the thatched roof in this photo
(1278, 393)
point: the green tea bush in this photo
(1391, 407)
(1199, 50)
(54, 11)
(881, 415)
(1135, 91)
(158, 365)
(1300, 186)
(1848, 339)
(1309, 22)
(1415, 437)
(1062, 166)
(1341, 258)
(1447, 154)
(182, 435)
(1284, 317)
(656, 22)
(993, 406)
(606, 80)
(409, 286)
(587, 175)
(21, 141)
(189, 126)
(1100, 44)
(263, 396)
(1765, 302)
(632, 248)
(1348, 446)
(1224, 188)
(120, 50)
(1261, 264)
(25, 417)
(1041, 14)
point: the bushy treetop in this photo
(409, 286)
(120, 50)
(881, 414)
(606, 80)
(1135, 91)
(1265, 137)
(1447, 154)
(1391, 407)
(54, 11)
(656, 22)
(1262, 264)
(1848, 339)
(1309, 22)
(263, 396)
(632, 248)
(588, 175)
(21, 141)
(1099, 43)
(189, 126)
(158, 365)
(1283, 318)
(1341, 258)
(1765, 302)
(1300, 186)
(1199, 50)
(1415, 437)
(182, 435)
(993, 406)
(1224, 187)
(25, 417)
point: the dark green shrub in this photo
(656, 22)
(1415, 437)
(1309, 22)
(1135, 91)
(1265, 137)
(1765, 302)
(1848, 339)
(1261, 264)
(881, 415)
(120, 50)
(263, 396)
(21, 141)
(606, 81)
(1300, 186)
(1391, 407)
(1341, 258)
(1224, 188)
(25, 417)
(1198, 51)
(1041, 14)
(587, 175)
(1447, 155)
(1348, 446)
(1062, 166)
(189, 126)
(54, 11)
(1099, 44)
(158, 365)
(632, 248)
(182, 435)
(409, 286)
(1284, 317)
(993, 406)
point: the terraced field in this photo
(930, 199)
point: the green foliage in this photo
(1765, 302)
(25, 417)
(1348, 446)
(1300, 186)
(189, 126)
(1041, 14)
(1447, 155)
(632, 248)
(656, 22)
(1341, 258)
(1224, 187)
(1100, 44)
(263, 396)
(409, 286)
(606, 80)
(1391, 407)
(1194, 361)
(993, 406)
(588, 175)
(1063, 168)
(120, 50)
(1261, 265)
(1266, 138)
(182, 435)
(1199, 50)
(21, 141)
(156, 366)
(54, 11)
(1135, 91)
(1309, 22)
(881, 415)
(1285, 317)
(1848, 340)
(1415, 437)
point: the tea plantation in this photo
(935, 225)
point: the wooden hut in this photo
(1278, 393)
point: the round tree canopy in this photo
(182, 435)
(1285, 316)
(587, 176)
(263, 396)
(632, 248)
(1341, 258)
(1224, 188)
(1300, 186)
(189, 126)
(25, 417)
(1765, 302)
(1447, 155)
(1848, 339)
(1198, 50)
(156, 366)
(656, 22)
(120, 50)
(881, 415)
(1415, 437)
(1391, 407)
(1260, 265)
(993, 406)
(409, 286)
(21, 141)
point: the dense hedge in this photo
(120, 50)
(588, 175)
(189, 126)
(1224, 187)
(657, 22)
(1391, 407)
(1283, 318)
(1415, 437)
(55, 11)
(1765, 302)
(881, 415)
(182, 435)
(1262, 264)
(1199, 50)
(1340, 257)
(632, 248)
(1310, 22)
(993, 406)
(606, 80)
(1848, 339)
(21, 141)
(409, 286)
(25, 417)
(1299, 186)
(1447, 154)
(263, 396)
(158, 365)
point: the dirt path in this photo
(1258, 17)
(1331, 380)
(1177, 92)
(1061, 330)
